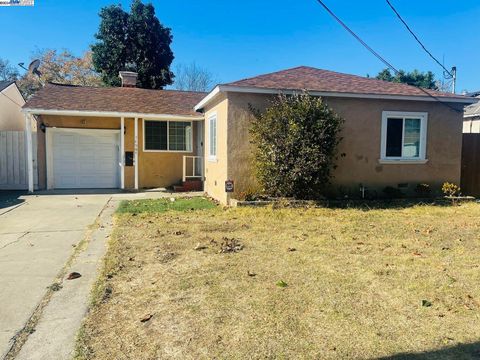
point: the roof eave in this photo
(257, 90)
(36, 111)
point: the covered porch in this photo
(81, 150)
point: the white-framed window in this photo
(161, 135)
(404, 137)
(212, 137)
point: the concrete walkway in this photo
(43, 237)
(36, 240)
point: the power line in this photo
(418, 40)
(358, 38)
(381, 58)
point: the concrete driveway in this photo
(38, 234)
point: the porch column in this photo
(122, 153)
(28, 134)
(135, 154)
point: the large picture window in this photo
(404, 136)
(167, 135)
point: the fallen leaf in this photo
(291, 249)
(200, 247)
(250, 273)
(426, 303)
(282, 284)
(73, 275)
(146, 318)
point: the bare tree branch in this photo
(192, 77)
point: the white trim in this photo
(111, 114)
(471, 115)
(168, 137)
(209, 97)
(423, 116)
(50, 183)
(135, 152)
(255, 90)
(212, 157)
(122, 153)
(28, 133)
(49, 158)
(402, 161)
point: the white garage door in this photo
(84, 158)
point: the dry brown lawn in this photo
(311, 283)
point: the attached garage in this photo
(82, 158)
(95, 138)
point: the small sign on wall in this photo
(229, 186)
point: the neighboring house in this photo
(471, 118)
(11, 102)
(394, 134)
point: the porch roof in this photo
(114, 101)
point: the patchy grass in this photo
(251, 283)
(162, 205)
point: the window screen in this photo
(156, 135)
(213, 136)
(180, 134)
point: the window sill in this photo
(403, 161)
(213, 160)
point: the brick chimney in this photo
(129, 79)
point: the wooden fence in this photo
(13, 160)
(471, 165)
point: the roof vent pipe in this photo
(129, 78)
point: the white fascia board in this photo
(110, 114)
(255, 90)
(471, 116)
(212, 94)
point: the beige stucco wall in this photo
(11, 117)
(156, 169)
(216, 171)
(361, 144)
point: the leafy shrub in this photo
(295, 145)
(450, 189)
(392, 192)
(423, 190)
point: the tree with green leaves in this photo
(416, 78)
(134, 41)
(295, 146)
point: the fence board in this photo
(13, 160)
(471, 165)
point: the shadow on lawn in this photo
(10, 198)
(459, 351)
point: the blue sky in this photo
(237, 39)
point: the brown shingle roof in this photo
(115, 99)
(313, 79)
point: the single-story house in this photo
(471, 121)
(11, 102)
(129, 138)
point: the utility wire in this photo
(358, 37)
(381, 58)
(417, 39)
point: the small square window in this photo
(404, 136)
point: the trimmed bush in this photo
(295, 141)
